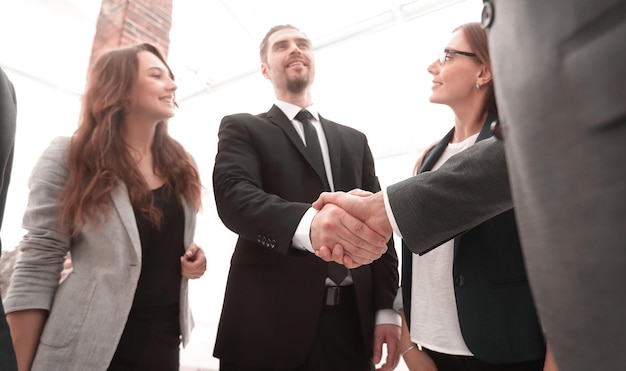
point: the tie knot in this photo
(304, 116)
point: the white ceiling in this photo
(217, 41)
(213, 42)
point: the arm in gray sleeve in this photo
(434, 207)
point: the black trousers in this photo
(338, 344)
(150, 342)
(449, 362)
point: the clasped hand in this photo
(350, 228)
(193, 262)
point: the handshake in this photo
(350, 228)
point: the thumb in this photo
(323, 199)
(378, 350)
(360, 192)
(191, 250)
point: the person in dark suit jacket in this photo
(560, 77)
(282, 310)
(8, 111)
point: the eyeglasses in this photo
(443, 56)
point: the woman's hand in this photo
(193, 262)
(418, 360)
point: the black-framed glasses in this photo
(443, 56)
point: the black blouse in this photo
(162, 247)
(151, 338)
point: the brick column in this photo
(128, 22)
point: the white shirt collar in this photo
(291, 110)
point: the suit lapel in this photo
(190, 214)
(277, 116)
(486, 132)
(334, 150)
(433, 156)
(124, 208)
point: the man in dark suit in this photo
(559, 76)
(284, 308)
(8, 111)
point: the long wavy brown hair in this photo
(99, 158)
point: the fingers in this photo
(393, 355)
(361, 235)
(362, 205)
(378, 348)
(360, 192)
(337, 255)
(326, 198)
(327, 254)
(332, 225)
(336, 197)
(349, 263)
(390, 335)
(190, 253)
(193, 262)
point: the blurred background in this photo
(371, 60)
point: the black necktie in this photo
(336, 272)
(313, 145)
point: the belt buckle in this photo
(333, 295)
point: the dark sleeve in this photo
(242, 202)
(434, 207)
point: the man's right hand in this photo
(333, 226)
(362, 206)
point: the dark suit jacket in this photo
(263, 184)
(496, 312)
(8, 113)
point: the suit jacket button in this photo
(273, 244)
(459, 280)
(258, 239)
(486, 17)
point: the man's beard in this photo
(298, 85)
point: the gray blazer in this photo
(88, 311)
(560, 81)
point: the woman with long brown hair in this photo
(121, 197)
(467, 303)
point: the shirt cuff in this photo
(398, 302)
(302, 237)
(388, 317)
(392, 219)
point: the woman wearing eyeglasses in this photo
(467, 303)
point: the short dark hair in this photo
(263, 47)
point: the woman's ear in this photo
(484, 75)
